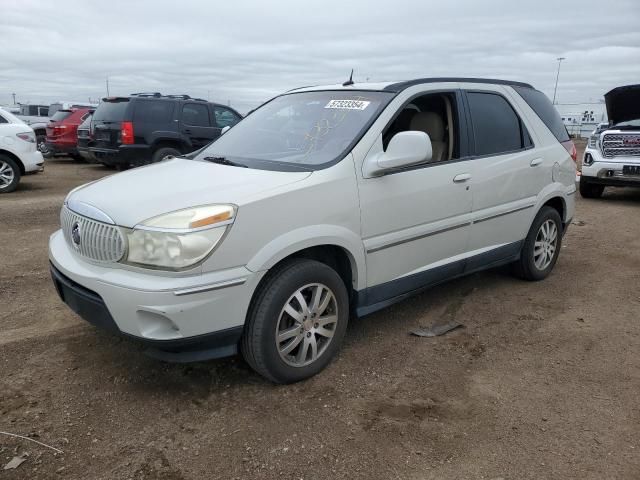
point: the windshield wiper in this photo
(224, 161)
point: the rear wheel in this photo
(164, 153)
(541, 247)
(590, 190)
(9, 174)
(297, 322)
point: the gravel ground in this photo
(542, 383)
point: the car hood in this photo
(132, 197)
(623, 103)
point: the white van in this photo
(323, 203)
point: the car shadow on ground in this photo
(124, 362)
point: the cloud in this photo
(246, 51)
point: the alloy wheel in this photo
(306, 325)
(6, 175)
(545, 245)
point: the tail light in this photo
(126, 133)
(571, 148)
(58, 130)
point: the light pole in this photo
(560, 59)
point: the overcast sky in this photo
(246, 51)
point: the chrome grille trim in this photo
(613, 145)
(99, 241)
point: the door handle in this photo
(187, 130)
(462, 177)
(535, 162)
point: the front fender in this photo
(313, 236)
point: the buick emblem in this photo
(75, 234)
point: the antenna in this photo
(350, 81)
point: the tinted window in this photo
(3, 120)
(196, 115)
(225, 117)
(496, 127)
(111, 111)
(153, 111)
(540, 104)
(60, 115)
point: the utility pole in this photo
(14, 98)
(107, 86)
(560, 59)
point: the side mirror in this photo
(404, 149)
(224, 130)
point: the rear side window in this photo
(225, 117)
(111, 111)
(540, 104)
(496, 126)
(196, 115)
(60, 115)
(153, 111)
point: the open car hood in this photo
(623, 103)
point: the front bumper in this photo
(608, 171)
(180, 318)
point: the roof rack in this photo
(159, 95)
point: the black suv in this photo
(148, 127)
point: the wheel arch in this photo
(15, 158)
(339, 248)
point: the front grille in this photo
(621, 145)
(92, 239)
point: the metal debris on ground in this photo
(437, 329)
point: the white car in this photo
(18, 152)
(612, 155)
(322, 203)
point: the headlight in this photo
(593, 141)
(179, 239)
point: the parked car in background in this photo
(62, 132)
(146, 128)
(84, 138)
(612, 155)
(37, 117)
(54, 107)
(325, 201)
(18, 152)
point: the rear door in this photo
(106, 124)
(507, 173)
(197, 124)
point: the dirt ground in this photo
(543, 382)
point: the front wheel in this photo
(297, 322)
(541, 247)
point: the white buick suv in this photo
(324, 203)
(612, 155)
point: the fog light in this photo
(588, 159)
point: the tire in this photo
(267, 314)
(9, 174)
(42, 146)
(529, 266)
(590, 190)
(163, 152)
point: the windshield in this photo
(60, 115)
(629, 124)
(306, 129)
(111, 111)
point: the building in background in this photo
(582, 118)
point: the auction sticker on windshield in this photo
(348, 104)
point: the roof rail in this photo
(146, 94)
(184, 97)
